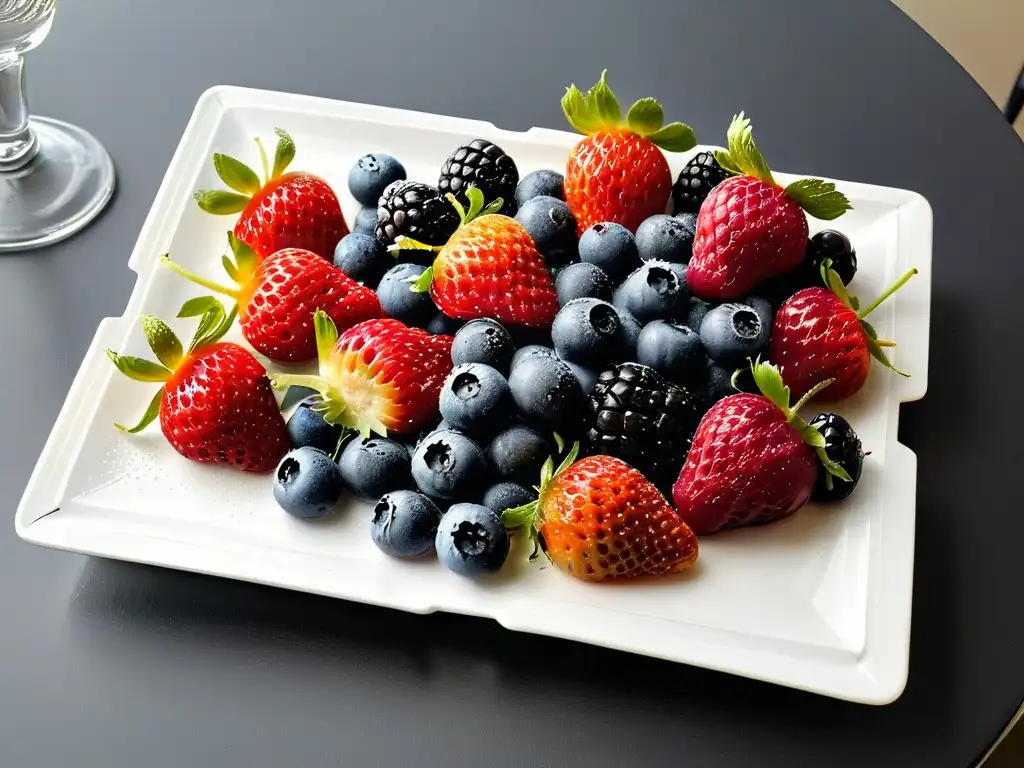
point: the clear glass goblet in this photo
(54, 177)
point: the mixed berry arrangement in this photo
(595, 358)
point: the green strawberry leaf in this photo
(326, 335)
(284, 153)
(854, 302)
(578, 111)
(152, 411)
(199, 306)
(230, 268)
(264, 164)
(559, 442)
(476, 203)
(819, 198)
(835, 284)
(569, 460)
(236, 174)
(422, 283)
(138, 369)
(869, 328)
(877, 352)
(493, 207)
(163, 341)
(603, 103)
(245, 256)
(547, 471)
(744, 152)
(214, 324)
(769, 381)
(520, 518)
(219, 202)
(674, 137)
(834, 469)
(645, 116)
(725, 160)
(812, 436)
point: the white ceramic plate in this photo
(820, 601)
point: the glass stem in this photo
(18, 143)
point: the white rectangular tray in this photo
(820, 601)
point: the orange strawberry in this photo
(277, 296)
(216, 403)
(490, 267)
(380, 376)
(285, 210)
(618, 173)
(599, 519)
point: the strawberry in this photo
(618, 173)
(749, 228)
(216, 403)
(379, 376)
(753, 460)
(600, 519)
(820, 333)
(285, 210)
(490, 267)
(277, 296)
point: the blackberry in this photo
(485, 166)
(414, 210)
(844, 448)
(696, 180)
(634, 413)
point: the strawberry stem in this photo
(807, 397)
(892, 289)
(286, 380)
(234, 293)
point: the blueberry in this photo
(673, 350)
(733, 332)
(504, 496)
(584, 375)
(544, 183)
(371, 174)
(717, 383)
(449, 465)
(405, 523)
(764, 310)
(365, 222)
(664, 238)
(517, 454)
(399, 301)
(475, 398)
(695, 315)
(546, 392)
(587, 331)
(443, 325)
(689, 222)
(531, 350)
(374, 466)
(484, 341)
(552, 226)
(363, 258)
(611, 247)
(306, 427)
(582, 281)
(656, 291)
(630, 334)
(308, 483)
(834, 245)
(471, 541)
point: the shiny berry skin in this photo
(218, 406)
(306, 427)
(582, 281)
(371, 174)
(471, 540)
(484, 165)
(665, 238)
(587, 332)
(551, 225)
(547, 394)
(404, 524)
(419, 211)
(507, 495)
(399, 301)
(732, 333)
(656, 291)
(540, 183)
(516, 454)
(295, 210)
(834, 245)
(308, 483)
(532, 350)
(673, 350)
(611, 247)
(366, 220)
(484, 341)
(747, 232)
(374, 466)
(449, 465)
(844, 448)
(363, 258)
(475, 399)
(616, 176)
(695, 182)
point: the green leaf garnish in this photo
(769, 381)
(284, 153)
(163, 341)
(834, 469)
(603, 103)
(877, 352)
(422, 283)
(744, 152)
(819, 198)
(569, 460)
(326, 335)
(230, 268)
(559, 442)
(219, 202)
(198, 306)
(245, 256)
(139, 369)
(674, 137)
(152, 411)
(547, 471)
(578, 112)
(209, 324)
(725, 160)
(645, 116)
(236, 174)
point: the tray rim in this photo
(39, 521)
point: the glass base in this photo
(59, 192)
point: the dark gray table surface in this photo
(108, 664)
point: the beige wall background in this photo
(985, 36)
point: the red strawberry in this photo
(216, 403)
(618, 173)
(749, 228)
(490, 267)
(818, 333)
(600, 519)
(753, 460)
(287, 210)
(278, 295)
(380, 376)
